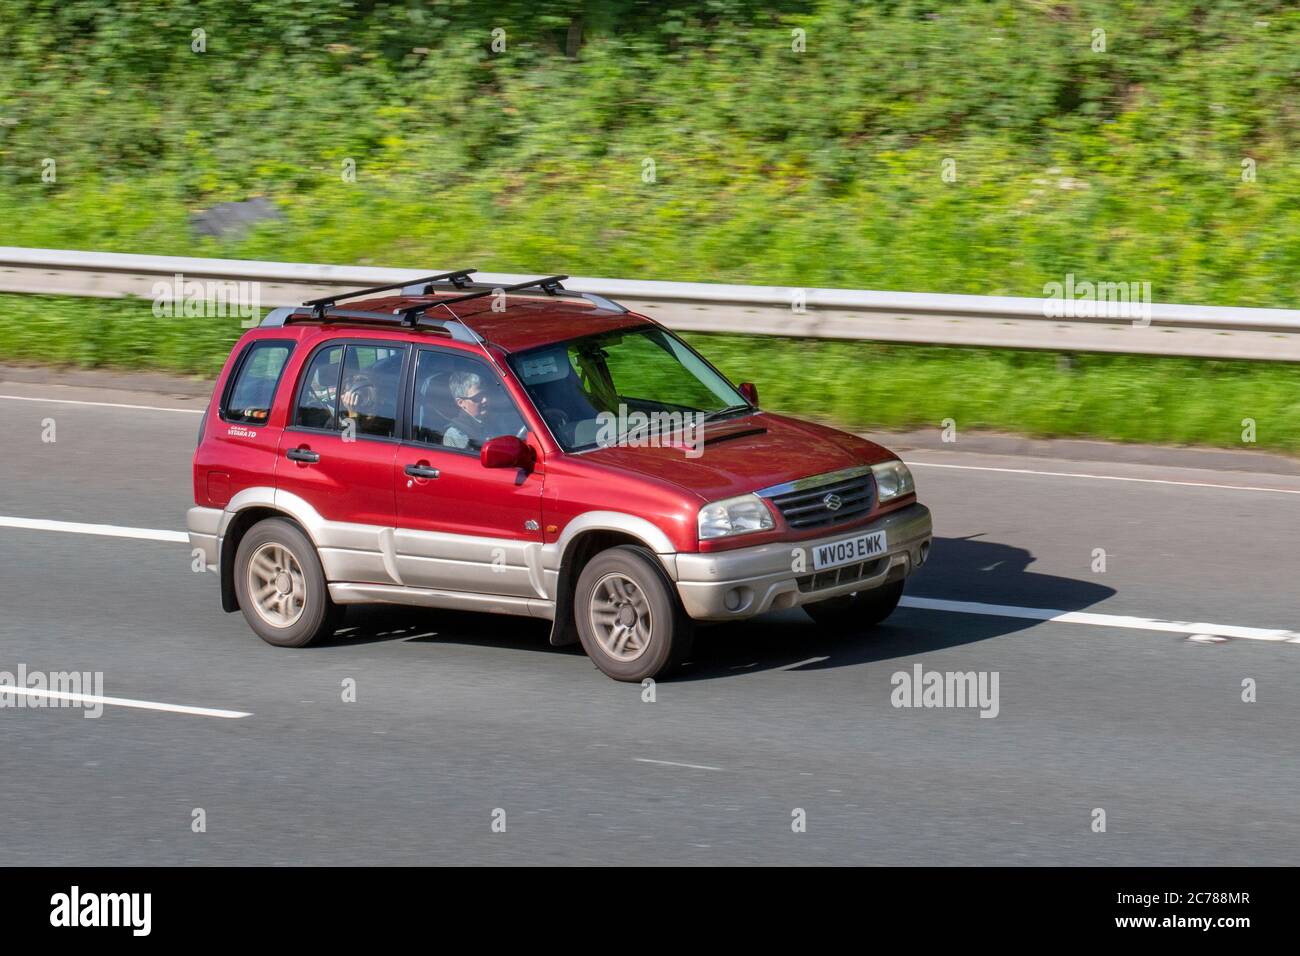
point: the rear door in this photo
(338, 451)
(241, 448)
(460, 526)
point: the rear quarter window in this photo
(252, 387)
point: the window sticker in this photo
(537, 369)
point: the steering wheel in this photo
(360, 395)
(318, 396)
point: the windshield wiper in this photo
(727, 412)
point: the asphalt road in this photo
(458, 716)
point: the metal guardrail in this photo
(905, 317)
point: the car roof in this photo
(526, 322)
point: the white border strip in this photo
(123, 702)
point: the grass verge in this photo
(861, 385)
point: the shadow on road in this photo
(959, 569)
(378, 623)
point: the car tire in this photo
(281, 585)
(628, 615)
(854, 611)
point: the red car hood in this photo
(740, 455)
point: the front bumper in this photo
(732, 585)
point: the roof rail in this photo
(458, 330)
(457, 278)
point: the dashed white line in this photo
(673, 763)
(105, 530)
(1079, 474)
(122, 702)
(1102, 620)
(70, 401)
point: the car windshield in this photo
(597, 389)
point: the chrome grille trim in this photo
(813, 481)
(802, 502)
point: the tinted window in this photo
(371, 379)
(317, 401)
(253, 391)
(352, 388)
(459, 402)
(611, 375)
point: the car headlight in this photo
(893, 480)
(734, 516)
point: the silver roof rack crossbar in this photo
(458, 330)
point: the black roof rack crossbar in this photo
(548, 284)
(318, 306)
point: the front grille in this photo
(834, 577)
(805, 505)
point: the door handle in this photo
(303, 455)
(422, 470)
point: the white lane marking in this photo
(1075, 474)
(926, 604)
(106, 530)
(811, 660)
(69, 401)
(123, 702)
(1102, 620)
(673, 763)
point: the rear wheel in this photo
(281, 585)
(853, 611)
(629, 619)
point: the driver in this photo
(478, 420)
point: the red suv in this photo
(535, 451)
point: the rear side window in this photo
(252, 392)
(353, 389)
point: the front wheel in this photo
(630, 621)
(855, 611)
(281, 585)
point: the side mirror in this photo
(506, 451)
(749, 391)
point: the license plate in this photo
(862, 548)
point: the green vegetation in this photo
(1114, 397)
(815, 168)
(855, 384)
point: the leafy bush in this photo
(814, 168)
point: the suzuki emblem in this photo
(833, 502)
